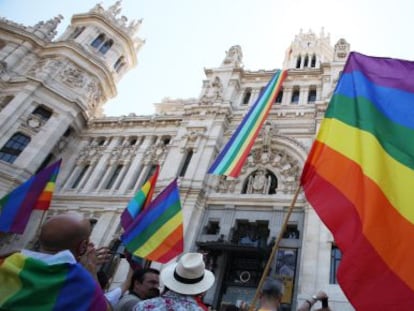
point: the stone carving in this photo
(258, 182)
(154, 153)
(112, 14)
(233, 56)
(47, 30)
(73, 76)
(213, 92)
(95, 94)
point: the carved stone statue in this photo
(233, 56)
(259, 183)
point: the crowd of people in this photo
(27, 279)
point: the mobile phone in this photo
(324, 302)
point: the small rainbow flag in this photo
(231, 159)
(140, 201)
(54, 282)
(359, 177)
(35, 193)
(157, 233)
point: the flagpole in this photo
(274, 249)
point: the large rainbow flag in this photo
(359, 177)
(140, 201)
(35, 193)
(157, 233)
(231, 159)
(51, 283)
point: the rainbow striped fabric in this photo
(157, 233)
(140, 201)
(359, 177)
(231, 159)
(47, 283)
(35, 193)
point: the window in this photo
(213, 227)
(186, 162)
(312, 95)
(80, 177)
(166, 140)
(279, 97)
(98, 40)
(298, 61)
(247, 95)
(77, 32)
(336, 257)
(68, 131)
(119, 64)
(101, 141)
(306, 61)
(45, 162)
(14, 146)
(291, 232)
(104, 48)
(5, 101)
(114, 176)
(42, 112)
(313, 61)
(295, 96)
(2, 44)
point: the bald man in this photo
(54, 279)
(69, 231)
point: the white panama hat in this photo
(188, 276)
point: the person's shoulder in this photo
(153, 304)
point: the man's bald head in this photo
(67, 231)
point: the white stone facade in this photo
(106, 159)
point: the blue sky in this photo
(185, 36)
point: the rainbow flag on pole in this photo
(359, 177)
(35, 193)
(231, 159)
(140, 201)
(50, 282)
(157, 233)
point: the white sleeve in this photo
(113, 296)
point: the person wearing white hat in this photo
(184, 281)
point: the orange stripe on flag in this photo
(167, 244)
(375, 211)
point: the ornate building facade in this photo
(51, 96)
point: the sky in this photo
(182, 37)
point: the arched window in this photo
(306, 61)
(77, 32)
(313, 61)
(119, 64)
(186, 162)
(298, 61)
(42, 112)
(279, 97)
(107, 45)
(98, 40)
(247, 95)
(312, 95)
(295, 96)
(14, 146)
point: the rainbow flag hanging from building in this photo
(231, 159)
(140, 201)
(157, 233)
(359, 177)
(36, 193)
(54, 282)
